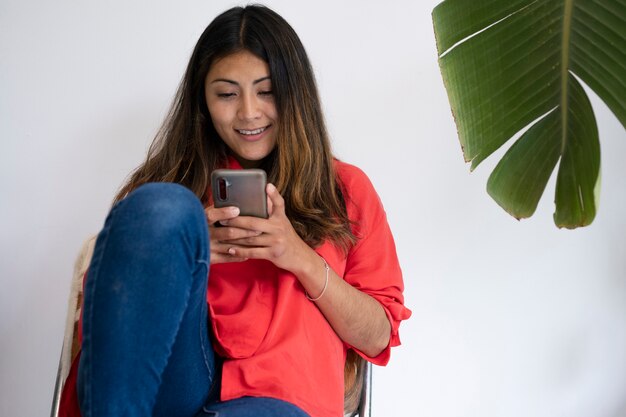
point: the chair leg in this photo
(365, 403)
(58, 388)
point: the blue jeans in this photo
(146, 348)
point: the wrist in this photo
(326, 278)
(308, 266)
(313, 274)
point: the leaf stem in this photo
(567, 27)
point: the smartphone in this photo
(243, 188)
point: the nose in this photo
(249, 107)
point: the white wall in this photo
(509, 318)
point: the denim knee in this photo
(166, 207)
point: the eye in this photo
(265, 93)
(225, 95)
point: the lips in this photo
(252, 132)
(253, 135)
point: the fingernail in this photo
(231, 251)
(224, 222)
(235, 211)
(271, 187)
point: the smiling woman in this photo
(240, 102)
(288, 298)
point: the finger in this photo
(223, 213)
(248, 253)
(270, 205)
(223, 234)
(263, 240)
(275, 200)
(220, 254)
(220, 248)
(249, 223)
(222, 259)
(223, 249)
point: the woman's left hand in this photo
(278, 241)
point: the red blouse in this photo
(275, 341)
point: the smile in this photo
(252, 132)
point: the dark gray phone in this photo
(243, 188)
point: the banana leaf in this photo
(513, 66)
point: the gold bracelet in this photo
(325, 284)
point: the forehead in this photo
(242, 65)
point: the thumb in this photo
(275, 201)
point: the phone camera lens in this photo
(221, 188)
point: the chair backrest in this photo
(357, 371)
(70, 346)
(358, 386)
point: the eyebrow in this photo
(224, 80)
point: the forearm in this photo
(357, 318)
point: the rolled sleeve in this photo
(372, 265)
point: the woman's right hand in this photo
(220, 235)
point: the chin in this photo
(256, 157)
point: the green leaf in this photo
(508, 65)
(575, 193)
(519, 179)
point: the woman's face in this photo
(238, 93)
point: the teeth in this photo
(251, 132)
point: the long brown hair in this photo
(187, 148)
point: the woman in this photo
(287, 296)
